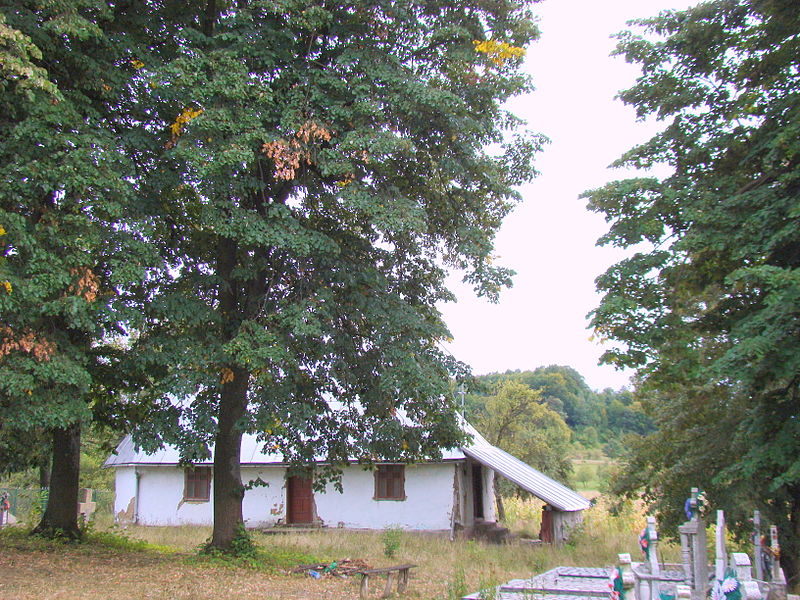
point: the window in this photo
(197, 484)
(390, 482)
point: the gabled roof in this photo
(254, 453)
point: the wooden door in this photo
(300, 500)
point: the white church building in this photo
(447, 495)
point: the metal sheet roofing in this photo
(537, 483)
(254, 453)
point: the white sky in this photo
(549, 239)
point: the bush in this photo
(391, 538)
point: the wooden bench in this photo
(402, 579)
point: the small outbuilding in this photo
(451, 494)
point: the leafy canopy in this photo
(708, 308)
(321, 166)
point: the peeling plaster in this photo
(127, 514)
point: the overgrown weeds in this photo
(446, 569)
(391, 538)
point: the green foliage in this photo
(515, 420)
(70, 257)
(391, 538)
(268, 195)
(596, 419)
(316, 171)
(708, 308)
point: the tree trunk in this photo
(228, 488)
(44, 476)
(790, 544)
(501, 509)
(60, 518)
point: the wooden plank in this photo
(387, 569)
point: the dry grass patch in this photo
(165, 564)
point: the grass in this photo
(591, 473)
(161, 562)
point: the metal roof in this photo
(525, 476)
(255, 453)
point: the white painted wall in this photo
(264, 506)
(125, 494)
(161, 499)
(428, 503)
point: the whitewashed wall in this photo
(264, 506)
(161, 499)
(125, 494)
(428, 503)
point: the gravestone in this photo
(694, 555)
(758, 550)
(721, 558)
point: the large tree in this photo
(66, 250)
(708, 308)
(323, 163)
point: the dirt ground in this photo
(70, 573)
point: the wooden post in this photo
(721, 557)
(364, 591)
(402, 582)
(758, 550)
(387, 591)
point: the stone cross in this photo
(628, 578)
(693, 550)
(652, 538)
(721, 554)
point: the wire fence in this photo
(26, 502)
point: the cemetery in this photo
(734, 576)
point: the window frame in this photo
(391, 480)
(193, 483)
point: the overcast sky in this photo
(549, 239)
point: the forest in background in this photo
(550, 418)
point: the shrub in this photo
(391, 538)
